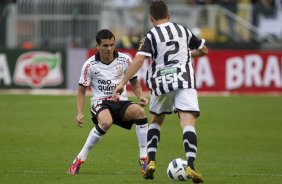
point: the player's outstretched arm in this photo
(200, 52)
(132, 70)
(137, 89)
(80, 101)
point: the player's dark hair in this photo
(104, 34)
(158, 10)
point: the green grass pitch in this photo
(239, 142)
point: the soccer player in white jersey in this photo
(171, 80)
(103, 72)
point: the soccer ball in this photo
(176, 169)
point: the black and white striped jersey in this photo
(169, 45)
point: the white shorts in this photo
(185, 100)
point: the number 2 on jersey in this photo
(174, 51)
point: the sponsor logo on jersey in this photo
(168, 76)
(38, 69)
(170, 70)
(106, 87)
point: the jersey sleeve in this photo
(145, 47)
(196, 43)
(85, 76)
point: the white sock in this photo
(92, 139)
(141, 132)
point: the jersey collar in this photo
(163, 24)
(98, 58)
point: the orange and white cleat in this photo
(75, 166)
(143, 163)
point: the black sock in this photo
(190, 145)
(153, 139)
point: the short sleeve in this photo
(145, 47)
(196, 43)
(85, 76)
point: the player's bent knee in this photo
(140, 113)
(105, 125)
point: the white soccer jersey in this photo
(103, 78)
(169, 45)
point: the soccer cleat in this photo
(149, 171)
(75, 166)
(143, 163)
(194, 175)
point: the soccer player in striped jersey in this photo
(103, 72)
(172, 82)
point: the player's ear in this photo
(151, 19)
(168, 17)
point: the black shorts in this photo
(117, 110)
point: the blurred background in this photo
(63, 31)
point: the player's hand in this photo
(79, 120)
(118, 91)
(143, 101)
